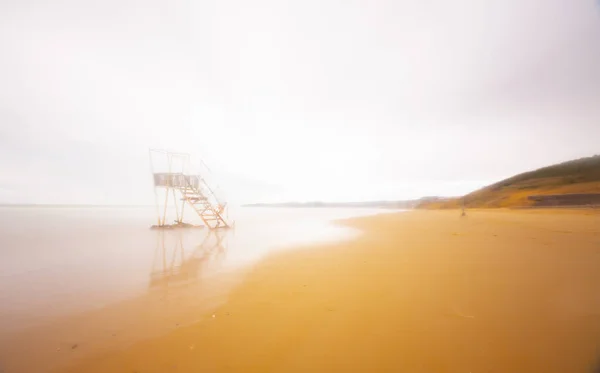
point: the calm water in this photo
(61, 261)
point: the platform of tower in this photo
(186, 189)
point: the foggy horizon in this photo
(311, 101)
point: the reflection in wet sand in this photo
(173, 265)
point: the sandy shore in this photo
(424, 291)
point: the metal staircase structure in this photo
(183, 189)
(205, 203)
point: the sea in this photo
(61, 261)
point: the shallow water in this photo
(61, 261)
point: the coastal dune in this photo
(423, 291)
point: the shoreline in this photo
(165, 306)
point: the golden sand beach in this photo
(423, 291)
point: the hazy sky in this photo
(293, 100)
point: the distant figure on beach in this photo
(464, 212)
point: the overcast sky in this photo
(293, 100)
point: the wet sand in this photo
(425, 291)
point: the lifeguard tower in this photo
(175, 187)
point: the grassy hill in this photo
(581, 176)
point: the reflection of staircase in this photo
(202, 199)
(173, 265)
